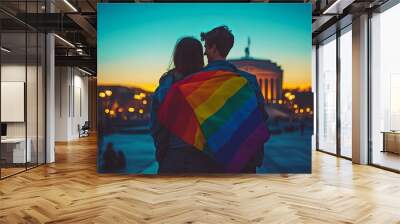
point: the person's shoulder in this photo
(247, 75)
(165, 82)
(167, 77)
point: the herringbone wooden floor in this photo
(70, 191)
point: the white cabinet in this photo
(17, 146)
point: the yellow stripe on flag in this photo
(199, 140)
(218, 98)
(206, 89)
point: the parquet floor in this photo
(70, 191)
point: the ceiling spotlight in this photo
(337, 7)
(65, 41)
(84, 71)
(70, 5)
(5, 50)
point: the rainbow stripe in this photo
(217, 113)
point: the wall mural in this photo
(204, 88)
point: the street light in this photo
(108, 92)
(137, 97)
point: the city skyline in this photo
(136, 41)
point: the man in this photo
(218, 43)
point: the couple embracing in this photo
(208, 119)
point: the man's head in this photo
(218, 42)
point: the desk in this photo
(391, 141)
(13, 150)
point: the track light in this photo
(70, 5)
(65, 41)
(337, 7)
(84, 71)
(5, 50)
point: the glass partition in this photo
(327, 95)
(385, 89)
(22, 88)
(346, 93)
(31, 97)
(14, 153)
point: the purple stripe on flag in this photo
(248, 148)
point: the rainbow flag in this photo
(217, 113)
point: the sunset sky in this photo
(136, 41)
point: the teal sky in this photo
(136, 41)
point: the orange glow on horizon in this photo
(147, 87)
(152, 87)
(294, 77)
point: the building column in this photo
(50, 98)
(272, 91)
(50, 91)
(280, 88)
(360, 90)
(265, 89)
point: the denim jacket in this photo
(162, 138)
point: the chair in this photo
(84, 130)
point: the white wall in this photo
(12, 73)
(61, 103)
(33, 127)
(71, 102)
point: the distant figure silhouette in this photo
(112, 159)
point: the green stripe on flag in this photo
(234, 103)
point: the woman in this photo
(174, 155)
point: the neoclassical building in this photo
(268, 73)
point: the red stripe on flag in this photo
(177, 115)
